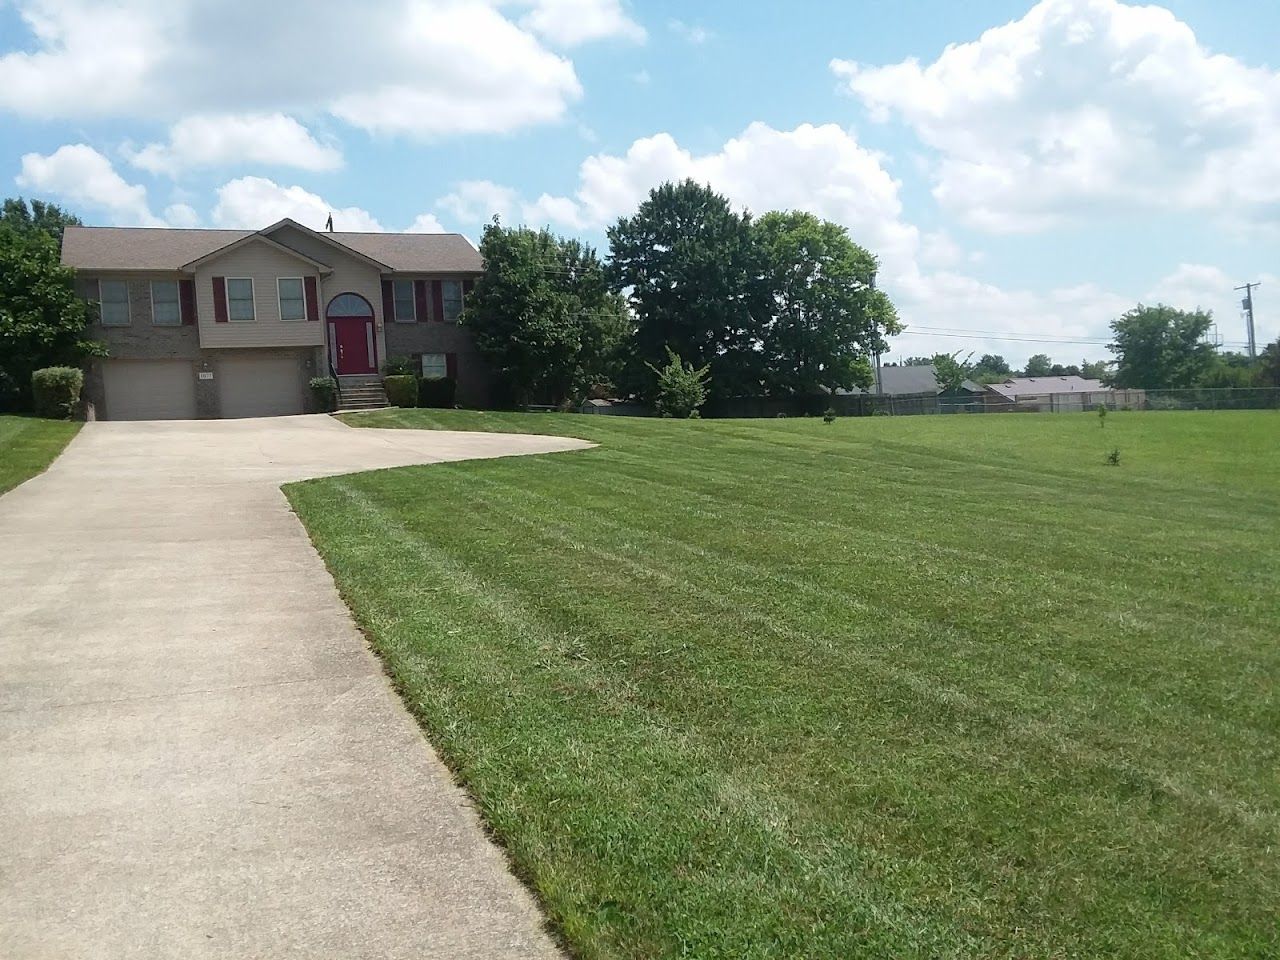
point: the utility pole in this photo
(1247, 305)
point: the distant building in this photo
(1059, 393)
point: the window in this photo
(165, 311)
(404, 303)
(435, 366)
(114, 302)
(452, 290)
(292, 304)
(240, 298)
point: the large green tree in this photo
(36, 216)
(1269, 365)
(1038, 365)
(42, 321)
(543, 314)
(827, 318)
(693, 275)
(1160, 348)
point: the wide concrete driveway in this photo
(199, 757)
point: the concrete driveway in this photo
(199, 757)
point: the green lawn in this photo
(28, 445)
(890, 687)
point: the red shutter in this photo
(388, 301)
(220, 299)
(187, 301)
(437, 299)
(420, 300)
(313, 299)
(451, 366)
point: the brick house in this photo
(234, 323)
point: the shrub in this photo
(402, 390)
(56, 391)
(829, 416)
(1102, 414)
(324, 391)
(438, 392)
(400, 367)
(682, 388)
(1113, 458)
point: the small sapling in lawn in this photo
(1113, 458)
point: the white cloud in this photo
(256, 202)
(1195, 286)
(572, 22)
(181, 215)
(82, 176)
(1085, 107)
(691, 32)
(426, 223)
(221, 139)
(479, 200)
(424, 68)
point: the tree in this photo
(39, 216)
(826, 317)
(543, 314)
(682, 388)
(694, 278)
(1064, 370)
(1094, 370)
(991, 368)
(1038, 365)
(1269, 365)
(42, 321)
(1230, 369)
(950, 370)
(1160, 348)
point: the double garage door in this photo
(166, 389)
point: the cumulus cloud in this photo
(568, 23)
(691, 32)
(271, 139)
(79, 174)
(476, 201)
(424, 68)
(255, 202)
(1084, 107)
(426, 223)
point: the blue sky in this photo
(1025, 171)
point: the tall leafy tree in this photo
(826, 318)
(1269, 365)
(991, 368)
(1038, 365)
(37, 216)
(543, 314)
(1160, 348)
(1094, 370)
(42, 321)
(951, 371)
(692, 273)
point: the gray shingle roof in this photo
(1035, 386)
(164, 248)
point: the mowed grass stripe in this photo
(705, 727)
(28, 445)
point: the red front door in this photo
(353, 346)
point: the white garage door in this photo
(149, 390)
(259, 386)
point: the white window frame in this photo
(302, 285)
(444, 366)
(253, 300)
(444, 301)
(128, 305)
(395, 302)
(177, 302)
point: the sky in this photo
(1025, 172)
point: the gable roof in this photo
(255, 238)
(171, 249)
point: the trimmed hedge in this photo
(437, 393)
(402, 390)
(56, 392)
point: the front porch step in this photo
(361, 392)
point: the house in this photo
(234, 323)
(1059, 394)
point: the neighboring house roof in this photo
(1037, 386)
(166, 248)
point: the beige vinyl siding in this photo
(264, 264)
(350, 275)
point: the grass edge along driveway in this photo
(908, 687)
(28, 445)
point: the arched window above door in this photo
(349, 305)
